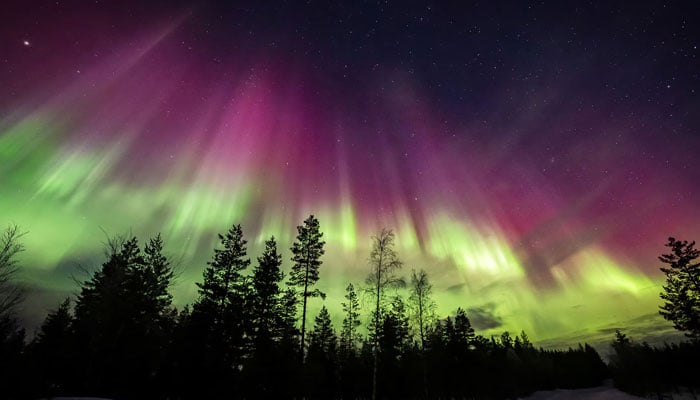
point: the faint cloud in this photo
(484, 317)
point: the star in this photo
(26, 43)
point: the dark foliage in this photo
(681, 292)
(122, 323)
(11, 295)
(306, 256)
(241, 337)
(52, 349)
(652, 371)
(217, 328)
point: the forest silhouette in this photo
(246, 335)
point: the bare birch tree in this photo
(384, 263)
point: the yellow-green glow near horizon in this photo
(62, 196)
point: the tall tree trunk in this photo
(376, 328)
(422, 345)
(303, 312)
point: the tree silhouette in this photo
(349, 337)
(384, 262)
(51, 350)
(421, 303)
(156, 276)
(322, 337)
(11, 351)
(11, 294)
(152, 316)
(321, 364)
(350, 363)
(394, 344)
(266, 294)
(123, 319)
(267, 326)
(682, 289)
(102, 311)
(219, 314)
(287, 316)
(307, 251)
(241, 339)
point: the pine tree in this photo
(351, 368)
(464, 333)
(11, 356)
(395, 334)
(522, 343)
(681, 292)
(289, 376)
(51, 350)
(157, 275)
(123, 318)
(349, 336)
(321, 364)
(506, 340)
(287, 315)
(384, 262)
(266, 300)
(104, 314)
(322, 337)
(307, 251)
(153, 318)
(220, 308)
(394, 344)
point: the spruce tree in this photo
(351, 368)
(220, 308)
(394, 344)
(463, 331)
(307, 251)
(105, 320)
(157, 275)
(287, 317)
(153, 317)
(395, 334)
(681, 293)
(321, 363)
(322, 337)
(51, 351)
(266, 299)
(351, 308)
(123, 319)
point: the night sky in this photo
(533, 158)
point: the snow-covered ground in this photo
(596, 393)
(604, 393)
(76, 398)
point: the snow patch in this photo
(596, 393)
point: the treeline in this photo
(646, 370)
(248, 335)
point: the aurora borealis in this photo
(532, 158)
